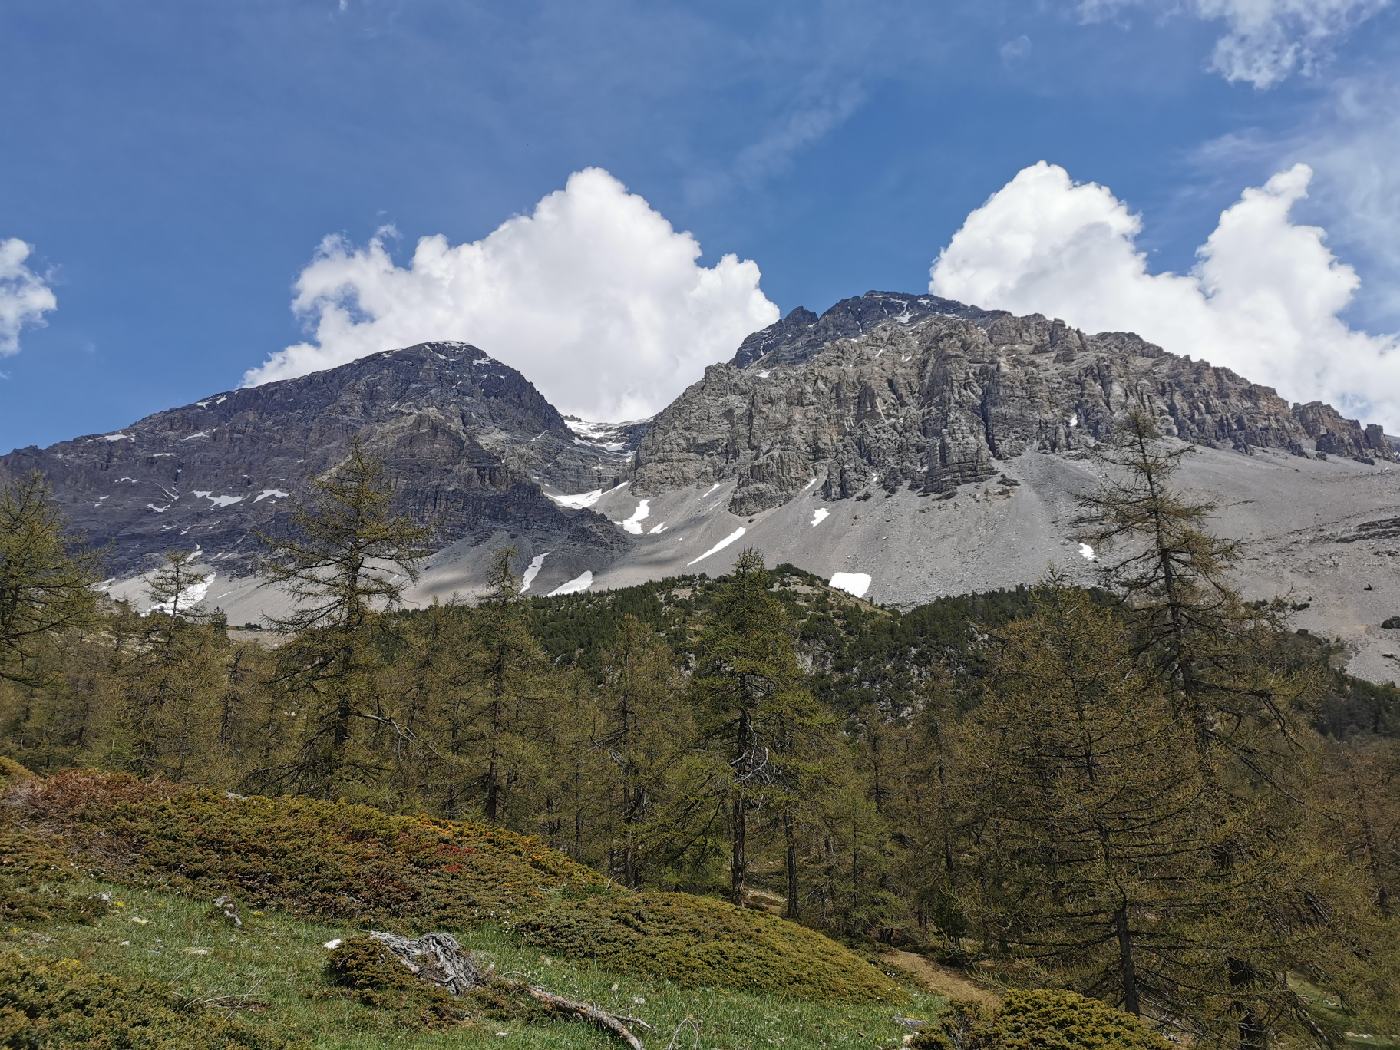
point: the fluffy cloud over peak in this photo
(24, 295)
(1265, 41)
(1264, 298)
(594, 296)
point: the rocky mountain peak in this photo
(469, 442)
(902, 391)
(802, 333)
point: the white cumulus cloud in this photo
(1265, 297)
(24, 296)
(1264, 41)
(594, 297)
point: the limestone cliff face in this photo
(919, 392)
(467, 441)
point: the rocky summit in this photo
(902, 446)
(468, 442)
(917, 392)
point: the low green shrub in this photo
(1040, 1020)
(700, 941)
(365, 970)
(64, 1004)
(32, 876)
(350, 862)
(11, 772)
(329, 859)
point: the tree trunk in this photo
(739, 816)
(738, 860)
(492, 805)
(1253, 1031)
(790, 838)
(1127, 972)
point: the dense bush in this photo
(32, 875)
(329, 859)
(64, 1004)
(348, 862)
(11, 772)
(33, 869)
(364, 969)
(1041, 1020)
(701, 941)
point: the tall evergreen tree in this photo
(492, 689)
(348, 559)
(756, 708)
(1174, 577)
(1093, 855)
(45, 587)
(174, 679)
(1230, 678)
(648, 736)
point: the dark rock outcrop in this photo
(467, 440)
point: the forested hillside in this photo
(1153, 794)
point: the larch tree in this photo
(647, 737)
(46, 588)
(347, 559)
(174, 678)
(1173, 574)
(502, 699)
(1283, 901)
(757, 712)
(1094, 858)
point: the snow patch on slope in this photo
(583, 500)
(532, 570)
(578, 500)
(218, 501)
(634, 523)
(720, 545)
(855, 583)
(574, 586)
(819, 515)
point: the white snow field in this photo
(856, 583)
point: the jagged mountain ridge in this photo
(919, 392)
(468, 442)
(903, 446)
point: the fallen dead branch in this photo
(438, 959)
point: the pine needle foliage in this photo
(348, 558)
(45, 586)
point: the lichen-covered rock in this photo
(915, 391)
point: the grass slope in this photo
(307, 872)
(343, 862)
(278, 963)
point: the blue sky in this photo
(174, 167)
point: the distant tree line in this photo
(1152, 792)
